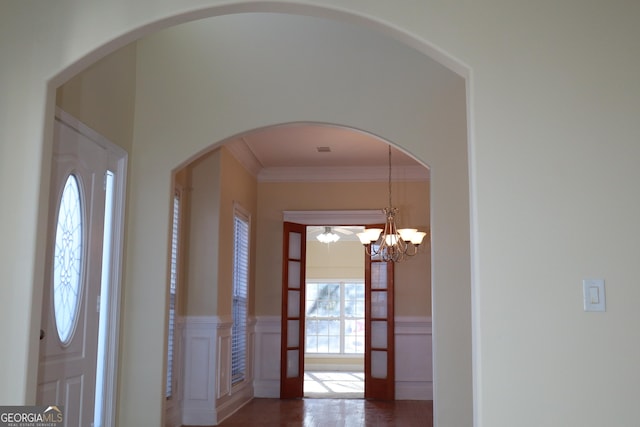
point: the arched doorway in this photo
(392, 116)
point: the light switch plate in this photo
(593, 295)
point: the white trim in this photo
(243, 154)
(198, 404)
(117, 161)
(173, 405)
(414, 375)
(342, 174)
(266, 359)
(113, 149)
(358, 217)
(242, 212)
(208, 396)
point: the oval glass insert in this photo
(67, 260)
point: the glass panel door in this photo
(292, 347)
(379, 362)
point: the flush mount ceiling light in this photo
(392, 243)
(328, 236)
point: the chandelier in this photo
(328, 236)
(391, 243)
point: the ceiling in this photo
(346, 233)
(313, 152)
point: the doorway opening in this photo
(379, 318)
(335, 324)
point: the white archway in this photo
(446, 154)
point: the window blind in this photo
(240, 293)
(173, 281)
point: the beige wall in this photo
(204, 239)
(217, 181)
(413, 290)
(103, 96)
(238, 186)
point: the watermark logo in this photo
(31, 416)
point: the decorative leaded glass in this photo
(67, 261)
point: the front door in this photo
(70, 318)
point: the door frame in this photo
(116, 162)
(329, 217)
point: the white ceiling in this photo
(347, 233)
(298, 152)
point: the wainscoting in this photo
(208, 394)
(173, 405)
(414, 370)
(205, 353)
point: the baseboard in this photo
(267, 389)
(199, 417)
(236, 401)
(414, 390)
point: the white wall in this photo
(553, 103)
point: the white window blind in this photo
(173, 281)
(240, 294)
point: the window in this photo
(173, 282)
(334, 317)
(68, 260)
(240, 295)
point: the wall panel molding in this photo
(267, 357)
(414, 364)
(208, 394)
(173, 407)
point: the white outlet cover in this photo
(593, 295)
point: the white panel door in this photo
(70, 318)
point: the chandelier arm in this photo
(391, 247)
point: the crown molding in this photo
(342, 174)
(360, 217)
(243, 154)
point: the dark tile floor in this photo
(332, 413)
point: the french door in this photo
(293, 314)
(379, 320)
(379, 353)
